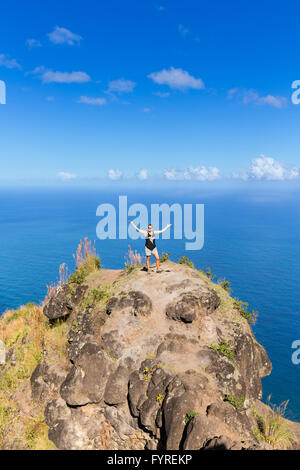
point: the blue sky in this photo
(139, 91)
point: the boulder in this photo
(87, 379)
(135, 302)
(59, 306)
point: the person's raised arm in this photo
(163, 230)
(138, 229)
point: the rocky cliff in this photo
(150, 361)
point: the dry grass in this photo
(273, 428)
(133, 258)
(87, 261)
(52, 288)
(25, 333)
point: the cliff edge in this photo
(137, 360)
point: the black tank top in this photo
(150, 241)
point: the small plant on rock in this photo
(224, 348)
(133, 259)
(160, 398)
(86, 261)
(225, 284)
(209, 274)
(242, 308)
(237, 402)
(185, 260)
(189, 416)
(164, 257)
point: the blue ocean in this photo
(251, 239)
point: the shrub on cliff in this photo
(273, 428)
(86, 261)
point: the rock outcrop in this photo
(157, 361)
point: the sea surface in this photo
(251, 239)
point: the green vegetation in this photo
(25, 332)
(273, 428)
(237, 402)
(189, 416)
(81, 273)
(110, 354)
(147, 372)
(131, 267)
(185, 260)
(164, 257)
(242, 308)
(225, 284)
(223, 347)
(209, 274)
(76, 325)
(160, 398)
(96, 296)
(86, 260)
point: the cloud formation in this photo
(143, 174)
(162, 94)
(114, 174)
(121, 86)
(65, 176)
(200, 173)
(252, 96)
(50, 76)
(32, 43)
(183, 31)
(64, 36)
(267, 168)
(177, 79)
(94, 101)
(5, 61)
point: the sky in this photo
(141, 91)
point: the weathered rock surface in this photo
(2, 353)
(146, 365)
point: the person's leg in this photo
(148, 262)
(157, 261)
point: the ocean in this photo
(251, 239)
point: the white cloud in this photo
(267, 168)
(232, 92)
(177, 79)
(121, 86)
(114, 174)
(50, 98)
(200, 173)
(66, 176)
(162, 94)
(183, 31)
(252, 96)
(31, 43)
(94, 101)
(65, 77)
(64, 36)
(146, 110)
(49, 76)
(143, 174)
(5, 61)
(159, 7)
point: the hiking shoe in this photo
(144, 269)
